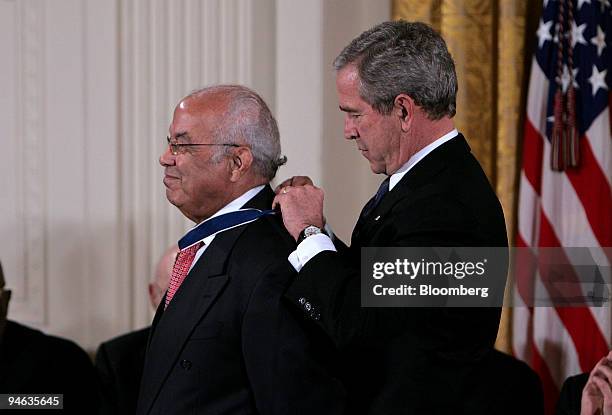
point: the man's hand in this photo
(301, 206)
(597, 394)
(294, 181)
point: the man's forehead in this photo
(189, 115)
(204, 100)
(190, 105)
(182, 122)
(349, 75)
(347, 86)
(202, 105)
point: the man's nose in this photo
(350, 132)
(167, 158)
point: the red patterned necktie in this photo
(181, 269)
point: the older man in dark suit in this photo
(223, 340)
(396, 83)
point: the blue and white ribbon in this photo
(221, 223)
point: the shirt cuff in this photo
(308, 248)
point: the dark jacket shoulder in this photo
(265, 242)
(128, 341)
(571, 395)
(33, 362)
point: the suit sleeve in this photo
(330, 284)
(284, 363)
(340, 245)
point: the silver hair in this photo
(402, 57)
(248, 121)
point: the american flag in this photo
(561, 205)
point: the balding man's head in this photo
(223, 141)
(246, 120)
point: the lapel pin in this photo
(377, 217)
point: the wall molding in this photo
(30, 301)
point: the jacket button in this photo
(308, 306)
(186, 364)
(302, 300)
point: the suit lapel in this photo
(418, 176)
(172, 327)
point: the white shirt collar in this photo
(232, 206)
(418, 156)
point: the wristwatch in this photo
(308, 231)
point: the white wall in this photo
(88, 91)
(310, 34)
(60, 201)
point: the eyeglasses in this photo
(175, 148)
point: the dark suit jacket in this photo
(409, 360)
(228, 343)
(507, 386)
(119, 364)
(571, 395)
(32, 362)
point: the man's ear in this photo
(240, 162)
(404, 108)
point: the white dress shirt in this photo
(315, 244)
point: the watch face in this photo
(311, 230)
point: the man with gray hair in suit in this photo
(396, 85)
(223, 339)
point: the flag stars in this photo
(544, 32)
(581, 2)
(557, 30)
(578, 34)
(598, 80)
(565, 78)
(599, 40)
(604, 4)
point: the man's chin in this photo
(172, 198)
(376, 169)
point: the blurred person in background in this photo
(119, 361)
(32, 362)
(588, 393)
